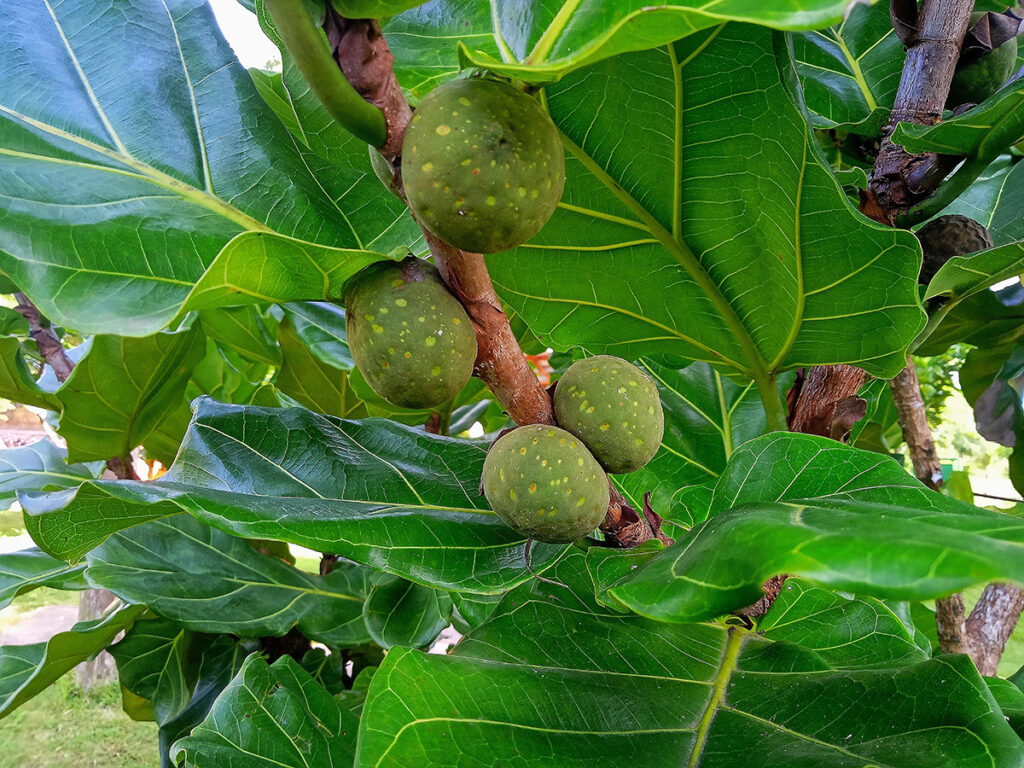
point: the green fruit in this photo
(482, 165)
(975, 82)
(544, 483)
(947, 236)
(410, 338)
(614, 408)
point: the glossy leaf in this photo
(847, 633)
(25, 670)
(394, 498)
(984, 131)
(321, 326)
(271, 715)
(39, 466)
(669, 241)
(124, 389)
(552, 41)
(209, 581)
(153, 663)
(850, 70)
(812, 507)
(24, 570)
(17, 383)
(987, 319)
(707, 416)
(964, 276)
(243, 330)
(398, 612)
(311, 382)
(115, 208)
(540, 678)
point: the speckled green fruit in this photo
(978, 80)
(410, 338)
(614, 408)
(482, 165)
(544, 483)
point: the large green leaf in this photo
(272, 715)
(321, 326)
(551, 41)
(707, 416)
(27, 569)
(17, 383)
(964, 276)
(691, 236)
(846, 632)
(312, 382)
(812, 507)
(39, 466)
(114, 208)
(984, 131)
(850, 71)
(988, 319)
(25, 670)
(153, 663)
(243, 330)
(393, 498)
(995, 200)
(123, 391)
(209, 581)
(551, 679)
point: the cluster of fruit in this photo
(483, 170)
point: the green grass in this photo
(64, 728)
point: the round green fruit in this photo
(975, 82)
(543, 482)
(410, 338)
(947, 236)
(614, 408)
(482, 165)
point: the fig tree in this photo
(482, 165)
(410, 338)
(614, 408)
(544, 483)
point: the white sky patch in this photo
(243, 32)
(1005, 283)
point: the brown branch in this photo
(991, 623)
(950, 624)
(927, 73)
(906, 391)
(828, 401)
(46, 340)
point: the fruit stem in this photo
(307, 44)
(947, 192)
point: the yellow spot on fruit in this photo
(522, 191)
(605, 427)
(444, 130)
(408, 355)
(639, 441)
(377, 328)
(427, 167)
(580, 462)
(590, 409)
(512, 494)
(463, 101)
(491, 200)
(467, 161)
(456, 321)
(435, 371)
(534, 193)
(533, 487)
(400, 302)
(544, 463)
(430, 341)
(582, 501)
(501, 473)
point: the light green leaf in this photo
(39, 466)
(809, 506)
(25, 670)
(209, 581)
(964, 276)
(549, 43)
(27, 569)
(311, 382)
(243, 330)
(124, 390)
(397, 499)
(17, 383)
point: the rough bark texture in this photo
(46, 340)
(991, 623)
(828, 400)
(950, 624)
(906, 391)
(927, 72)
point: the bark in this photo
(991, 623)
(93, 604)
(927, 72)
(906, 391)
(46, 340)
(828, 401)
(950, 623)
